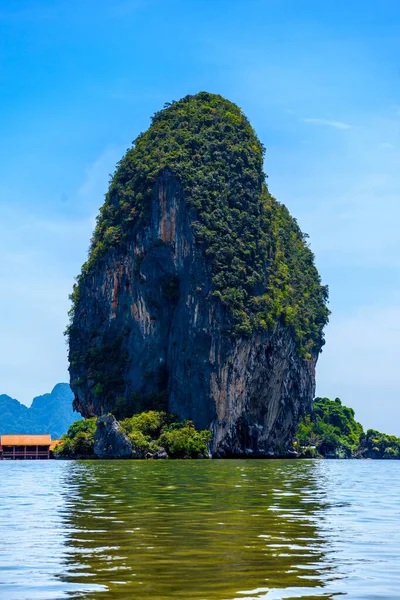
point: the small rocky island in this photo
(200, 296)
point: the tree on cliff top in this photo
(262, 268)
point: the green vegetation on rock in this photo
(374, 444)
(148, 432)
(262, 268)
(78, 441)
(332, 431)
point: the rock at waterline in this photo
(161, 454)
(110, 441)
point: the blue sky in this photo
(320, 82)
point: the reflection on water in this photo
(192, 529)
(201, 530)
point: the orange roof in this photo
(25, 440)
(54, 444)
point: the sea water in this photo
(202, 530)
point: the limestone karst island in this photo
(200, 297)
(198, 318)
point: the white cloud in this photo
(364, 347)
(348, 196)
(329, 123)
(97, 176)
(360, 226)
(39, 258)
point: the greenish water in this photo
(202, 530)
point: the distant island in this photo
(50, 413)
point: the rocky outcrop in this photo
(160, 455)
(148, 332)
(110, 441)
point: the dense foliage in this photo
(332, 431)
(152, 430)
(148, 432)
(262, 268)
(332, 428)
(374, 444)
(78, 441)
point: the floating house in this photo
(26, 447)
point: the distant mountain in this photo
(51, 413)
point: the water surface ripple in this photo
(201, 530)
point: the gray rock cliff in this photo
(110, 441)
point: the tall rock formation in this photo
(200, 294)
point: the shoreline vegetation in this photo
(331, 431)
(152, 434)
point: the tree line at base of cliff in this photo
(330, 432)
(151, 434)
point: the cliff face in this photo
(149, 331)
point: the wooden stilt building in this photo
(26, 447)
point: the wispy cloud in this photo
(128, 7)
(360, 364)
(39, 256)
(354, 223)
(329, 123)
(97, 176)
